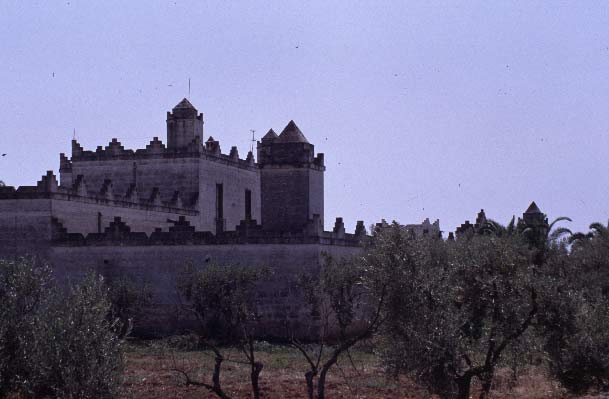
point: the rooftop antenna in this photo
(253, 140)
(74, 134)
(188, 87)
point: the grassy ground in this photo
(150, 374)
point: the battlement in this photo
(425, 228)
(155, 150)
(289, 148)
(118, 233)
(48, 188)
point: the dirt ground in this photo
(150, 374)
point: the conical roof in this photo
(270, 135)
(291, 134)
(533, 208)
(184, 104)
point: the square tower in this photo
(184, 125)
(291, 179)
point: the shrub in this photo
(24, 293)
(573, 322)
(129, 299)
(581, 360)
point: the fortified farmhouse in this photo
(147, 213)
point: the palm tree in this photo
(599, 230)
(493, 227)
(541, 236)
(579, 238)
(555, 235)
(596, 230)
(544, 238)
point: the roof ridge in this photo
(533, 208)
(270, 135)
(184, 104)
(292, 134)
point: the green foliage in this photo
(129, 299)
(341, 298)
(493, 227)
(222, 297)
(24, 288)
(579, 350)
(454, 308)
(335, 296)
(575, 314)
(56, 343)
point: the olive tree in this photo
(223, 300)
(574, 322)
(340, 297)
(454, 308)
(129, 299)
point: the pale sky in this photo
(422, 108)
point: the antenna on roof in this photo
(188, 87)
(74, 134)
(253, 140)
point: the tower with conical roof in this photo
(534, 224)
(291, 180)
(184, 125)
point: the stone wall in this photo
(234, 182)
(279, 300)
(285, 198)
(93, 216)
(316, 194)
(167, 174)
(25, 227)
(191, 175)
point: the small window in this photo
(248, 204)
(219, 201)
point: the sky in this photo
(422, 108)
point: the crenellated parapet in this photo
(426, 228)
(65, 165)
(156, 150)
(48, 188)
(465, 229)
(288, 148)
(183, 233)
(48, 183)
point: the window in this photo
(219, 201)
(248, 204)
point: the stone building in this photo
(146, 213)
(533, 220)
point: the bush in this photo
(56, 343)
(581, 361)
(129, 299)
(24, 289)
(573, 320)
